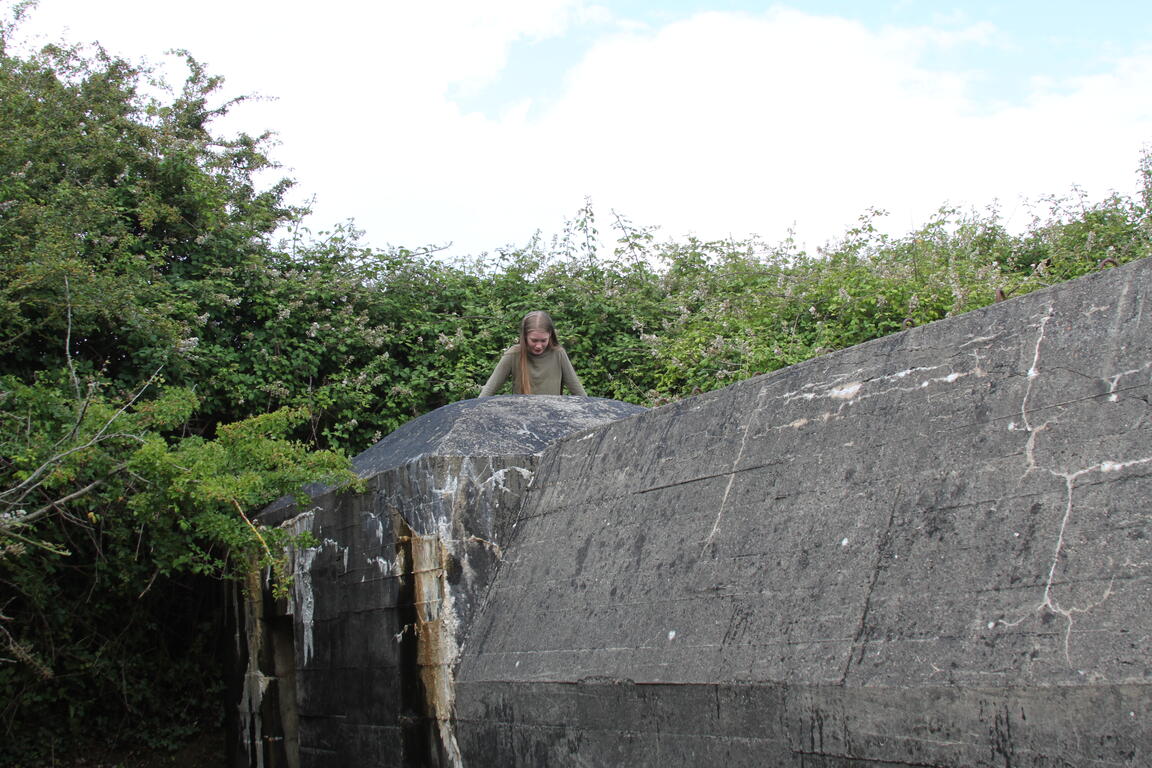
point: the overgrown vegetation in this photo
(171, 361)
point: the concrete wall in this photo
(933, 549)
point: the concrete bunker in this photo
(934, 549)
(355, 668)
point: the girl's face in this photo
(537, 342)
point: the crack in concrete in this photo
(857, 647)
(1049, 602)
(1033, 373)
(701, 478)
(732, 473)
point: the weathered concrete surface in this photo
(934, 549)
(378, 607)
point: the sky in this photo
(470, 125)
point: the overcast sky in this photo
(479, 122)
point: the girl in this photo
(544, 370)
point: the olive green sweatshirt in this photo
(550, 372)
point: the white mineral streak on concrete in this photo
(1114, 380)
(377, 524)
(846, 392)
(910, 371)
(1033, 372)
(451, 482)
(1049, 601)
(949, 379)
(820, 389)
(467, 572)
(305, 602)
(297, 525)
(251, 724)
(1117, 466)
(301, 522)
(303, 597)
(857, 390)
(979, 340)
(747, 428)
(1118, 318)
(497, 478)
(445, 534)
(373, 526)
(255, 682)
(464, 471)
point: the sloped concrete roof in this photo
(505, 425)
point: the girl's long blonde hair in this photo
(533, 321)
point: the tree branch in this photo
(31, 517)
(32, 480)
(68, 339)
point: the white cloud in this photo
(731, 124)
(723, 123)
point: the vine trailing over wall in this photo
(170, 364)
